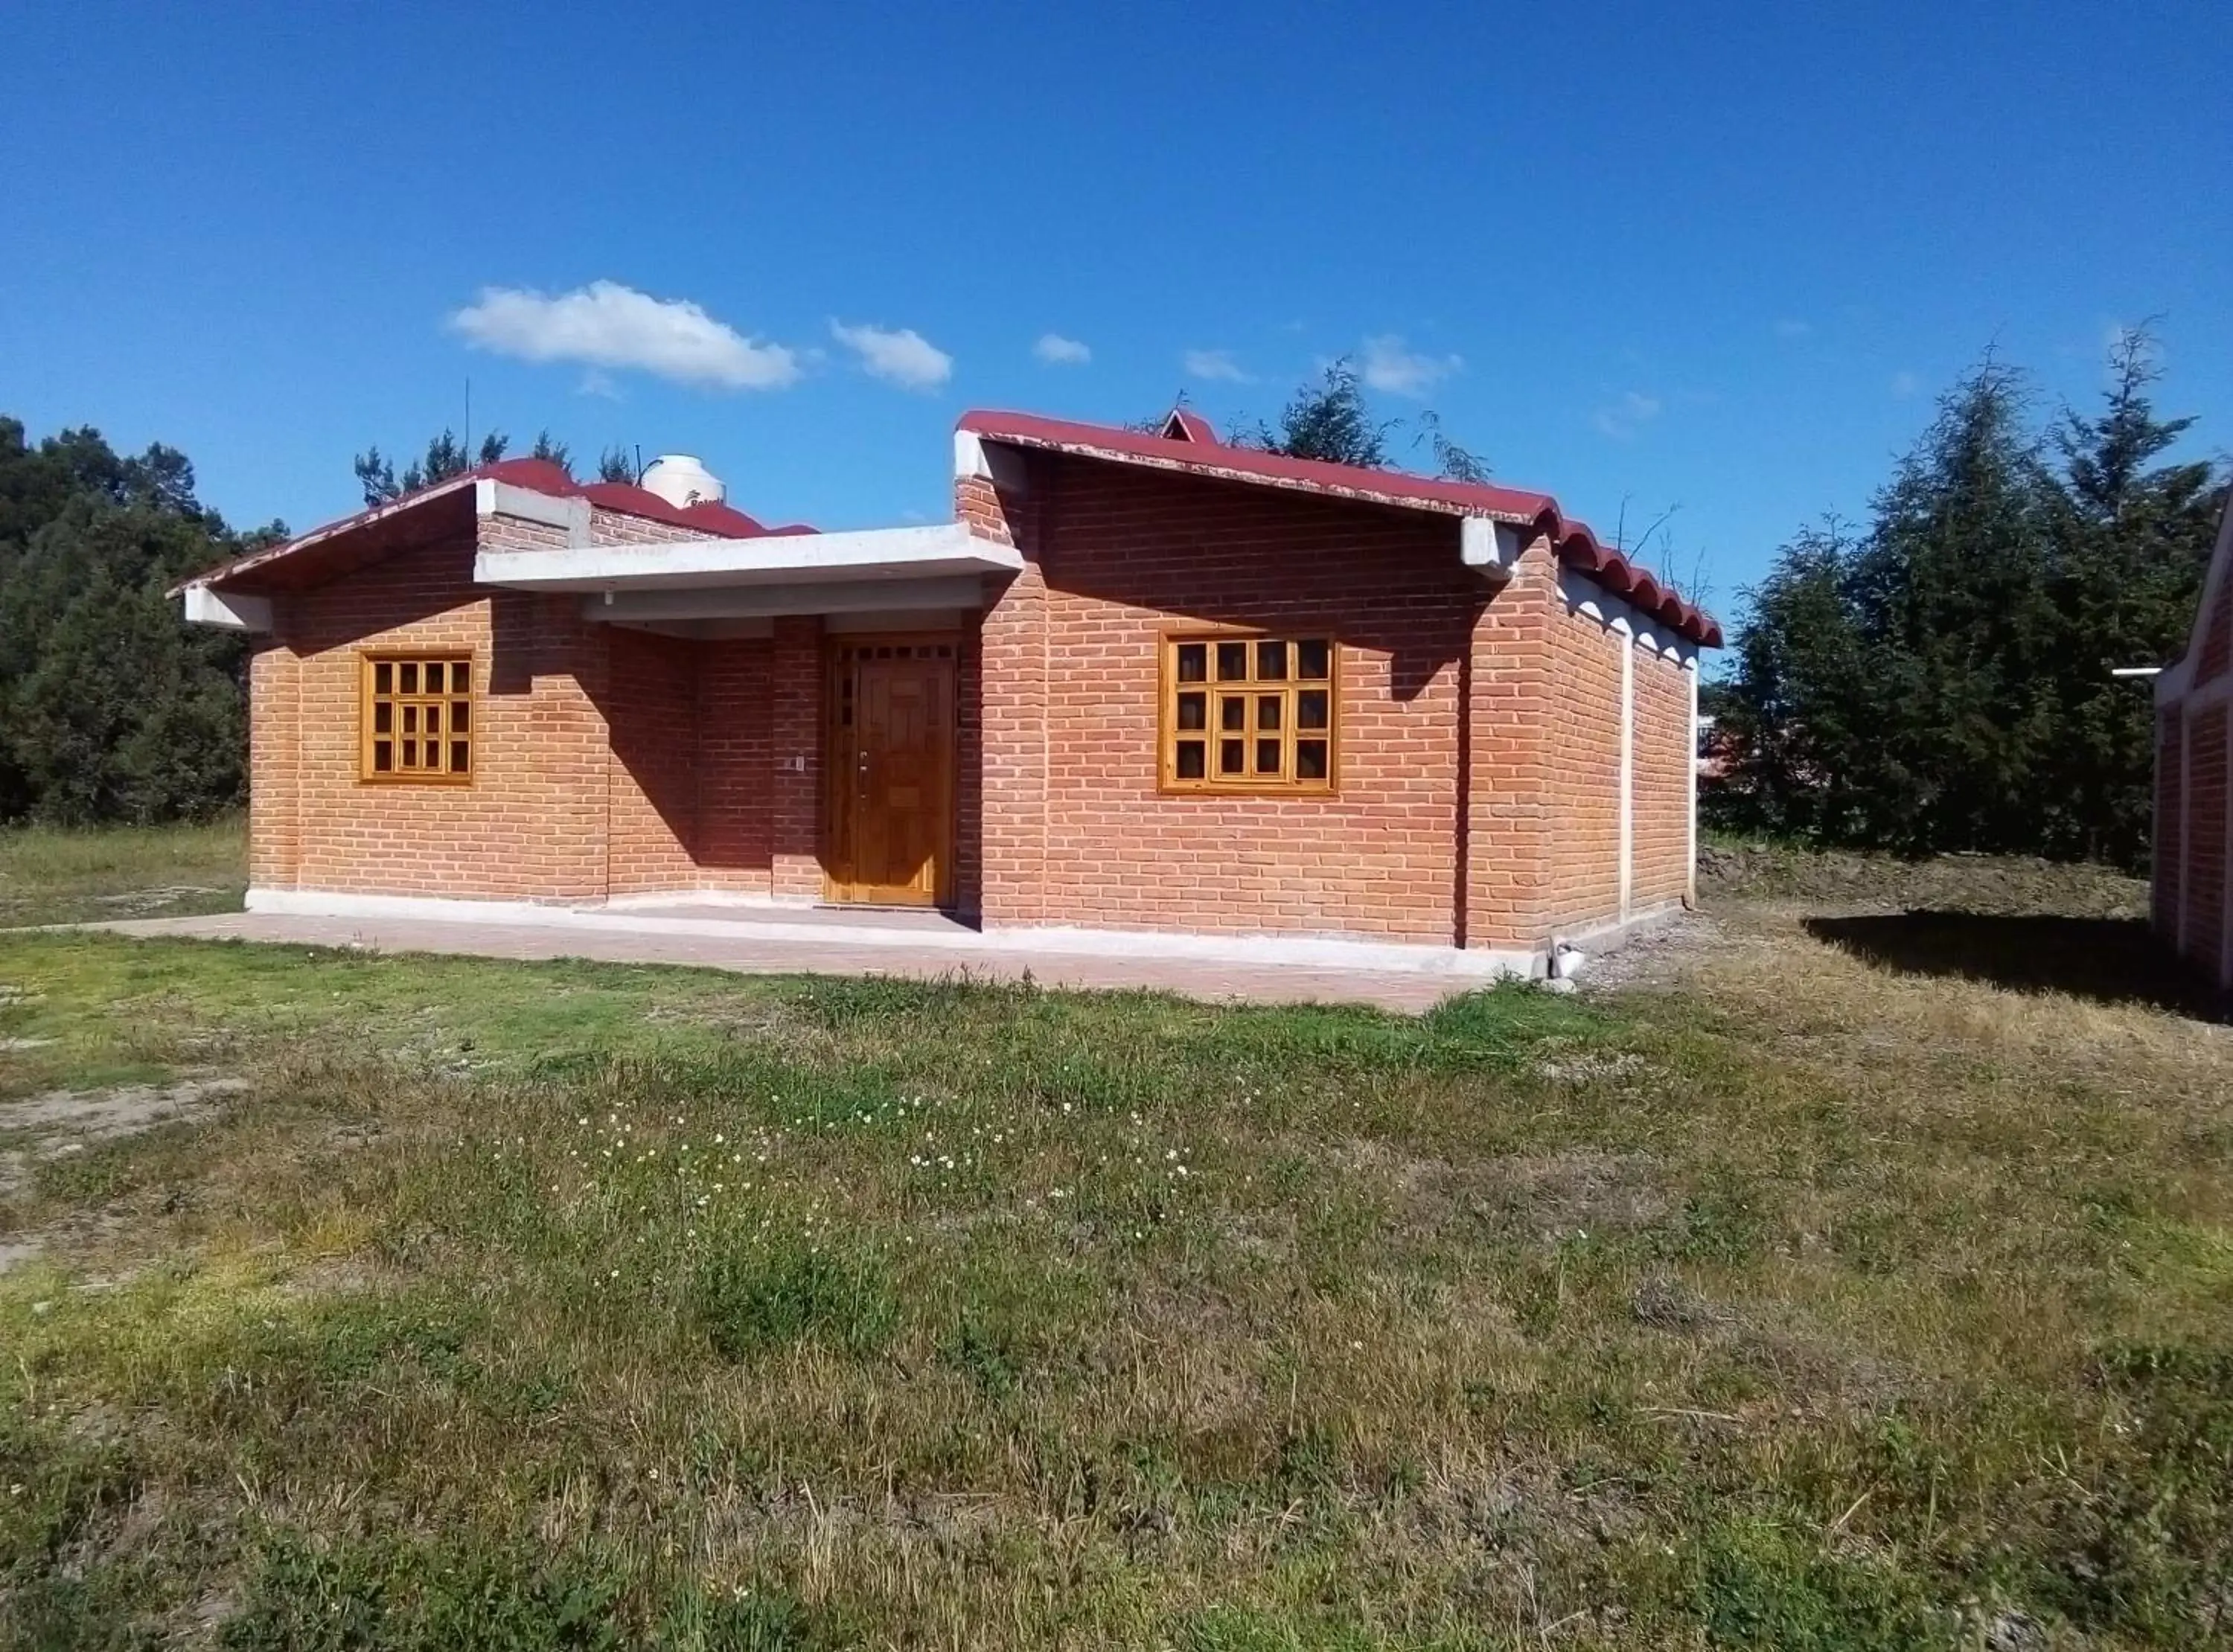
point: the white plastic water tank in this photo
(678, 478)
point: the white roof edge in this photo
(866, 553)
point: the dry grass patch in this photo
(1798, 1300)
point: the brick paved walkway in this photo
(821, 953)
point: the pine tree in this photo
(1951, 600)
(110, 706)
(2135, 539)
(1945, 683)
(552, 452)
(1329, 420)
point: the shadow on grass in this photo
(2112, 961)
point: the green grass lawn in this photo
(1800, 1303)
(50, 874)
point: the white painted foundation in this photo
(640, 915)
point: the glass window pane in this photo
(1267, 710)
(1271, 661)
(1267, 757)
(410, 754)
(1232, 713)
(433, 676)
(457, 758)
(1193, 662)
(1310, 708)
(1311, 657)
(433, 719)
(410, 720)
(461, 716)
(1232, 756)
(461, 676)
(383, 757)
(383, 678)
(406, 677)
(1194, 711)
(383, 717)
(1190, 760)
(1310, 759)
(1232, 662)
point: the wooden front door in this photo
(891, 752)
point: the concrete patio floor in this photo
(819, 949)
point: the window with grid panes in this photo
(1248, 713)
(418, 719)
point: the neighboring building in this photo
(2192, 755)
(1146, 684)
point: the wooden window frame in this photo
(1252, 689)
(368, 698)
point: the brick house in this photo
(2188, 904)
(1147, 692)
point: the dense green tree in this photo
(616, 465)
(1328, 418)
(446, 457)
(552, 452)
(110, 706)
(1791, 710)
(2134, 535)
(1943, 681)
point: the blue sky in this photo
(1718, 258)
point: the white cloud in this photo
(607, 325)
(1905, 383)
(1388, 367)
(1621, 420)
(904, 356)
(1214, 364)
(1789, 327)
(1058, 351)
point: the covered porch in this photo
(794, 712)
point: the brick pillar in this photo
(1508, 823)
(275, 723)
(796, 791)
(1012, 765)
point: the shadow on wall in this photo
(1181, 551)
(2110, 960)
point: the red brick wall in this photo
(274, 845)
(1122, 555)
(2216, 637)
(531, 826)
(607, 761)
(1012, 714)
(650, 706)
(736, 757)
(1510, 757)
(1664, 759)
(612, 762)
(1497, 828)
(2171, 747)
(1580, 879)
(795, 794)
(2202, 884)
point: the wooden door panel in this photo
(892, 816)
